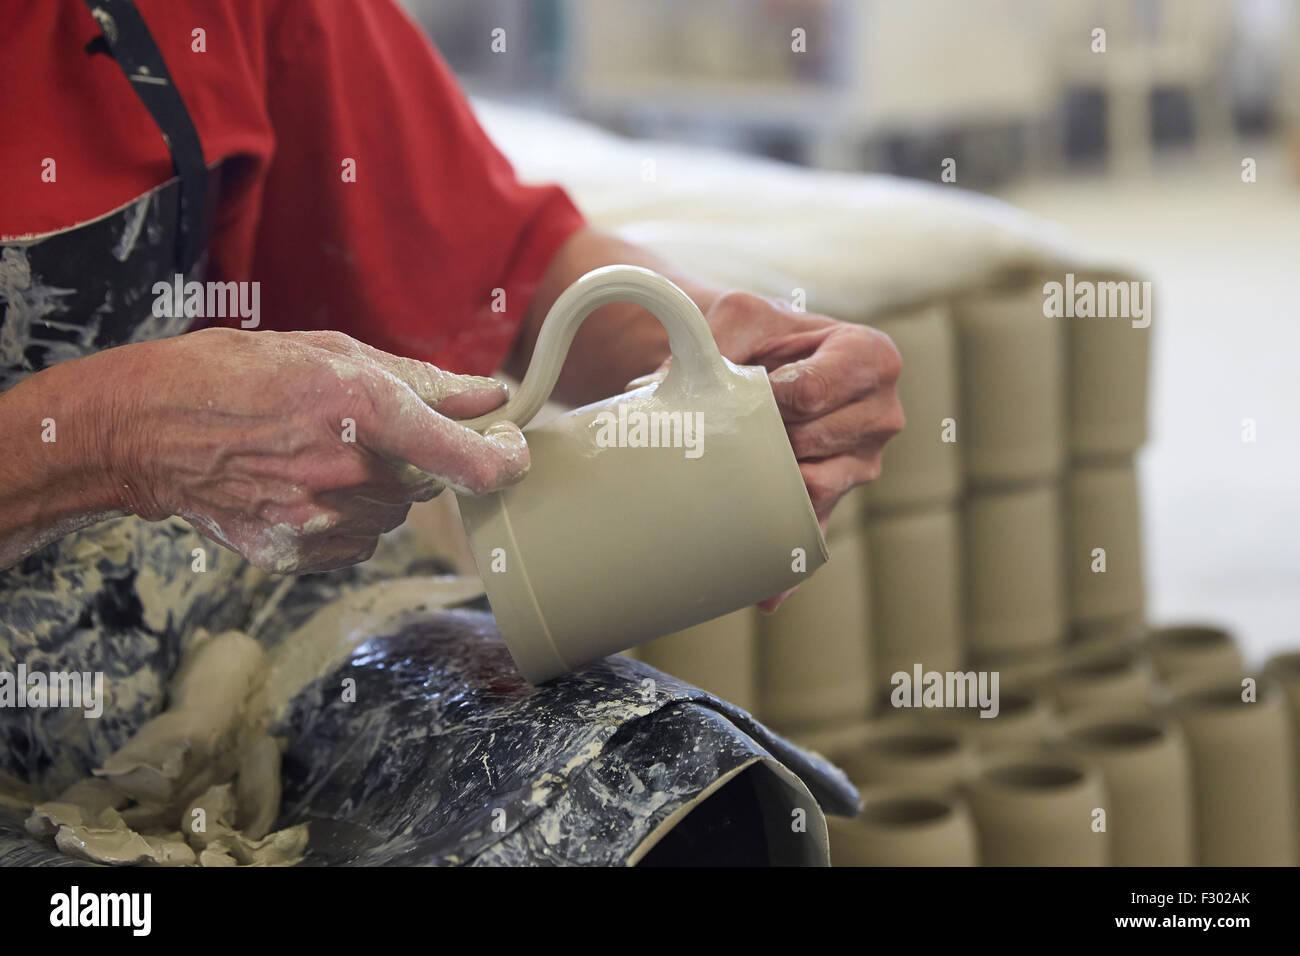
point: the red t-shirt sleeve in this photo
(436, 248)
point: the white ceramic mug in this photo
(609, 542)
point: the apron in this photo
(119, 596)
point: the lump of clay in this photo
(217, 854)
(46, 818)
(215, 712)
(105, 837)
(177, 771)
(209, 824)
(257, 788)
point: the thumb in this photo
(456, 396)
(402, 427)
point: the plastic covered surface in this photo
(447, 756)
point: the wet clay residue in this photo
(199, 784)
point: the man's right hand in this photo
(296, 449)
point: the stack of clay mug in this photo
(1159, 751)
(962, 550)
(1106, 384)
(891, 591)
(911, 512)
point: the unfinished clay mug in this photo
(645, 513)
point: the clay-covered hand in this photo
(298, 449)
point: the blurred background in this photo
(1171, 141)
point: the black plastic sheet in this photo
(441, 754)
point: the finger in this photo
(850, 363)
(867, 423)
(396, 482)
(355, 514)
(399, 425)
(457, 396)
(329, 554)
(828, 479)
(750, 328)
(769, 605)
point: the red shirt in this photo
(406, 258)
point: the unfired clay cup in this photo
(1039, 809)
(1025, 718)
(1104, 540)
(904, 826)
(814, 651)
(1104, 678)
(718, 656)
(1192, 653)
(921, 468)
(847, 515)
(1243, 783)
(606, 544)
(1143, 760)
(1012, 363)
(1284, 671)
(1015, 588)
(936, 758)
(903, 752)
(916, 591)
(1108, 362)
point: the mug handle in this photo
(695, 354)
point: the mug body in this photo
(905, 826)
(1038, 809)
(1145, 766)
(641, 515)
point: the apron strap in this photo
(132, 46)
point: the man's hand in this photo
(297, 449)
(835, 384)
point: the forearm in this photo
(618, 342)
(54, 474)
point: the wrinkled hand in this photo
(298, 449)
(834, 383)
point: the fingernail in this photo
(510, 441)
